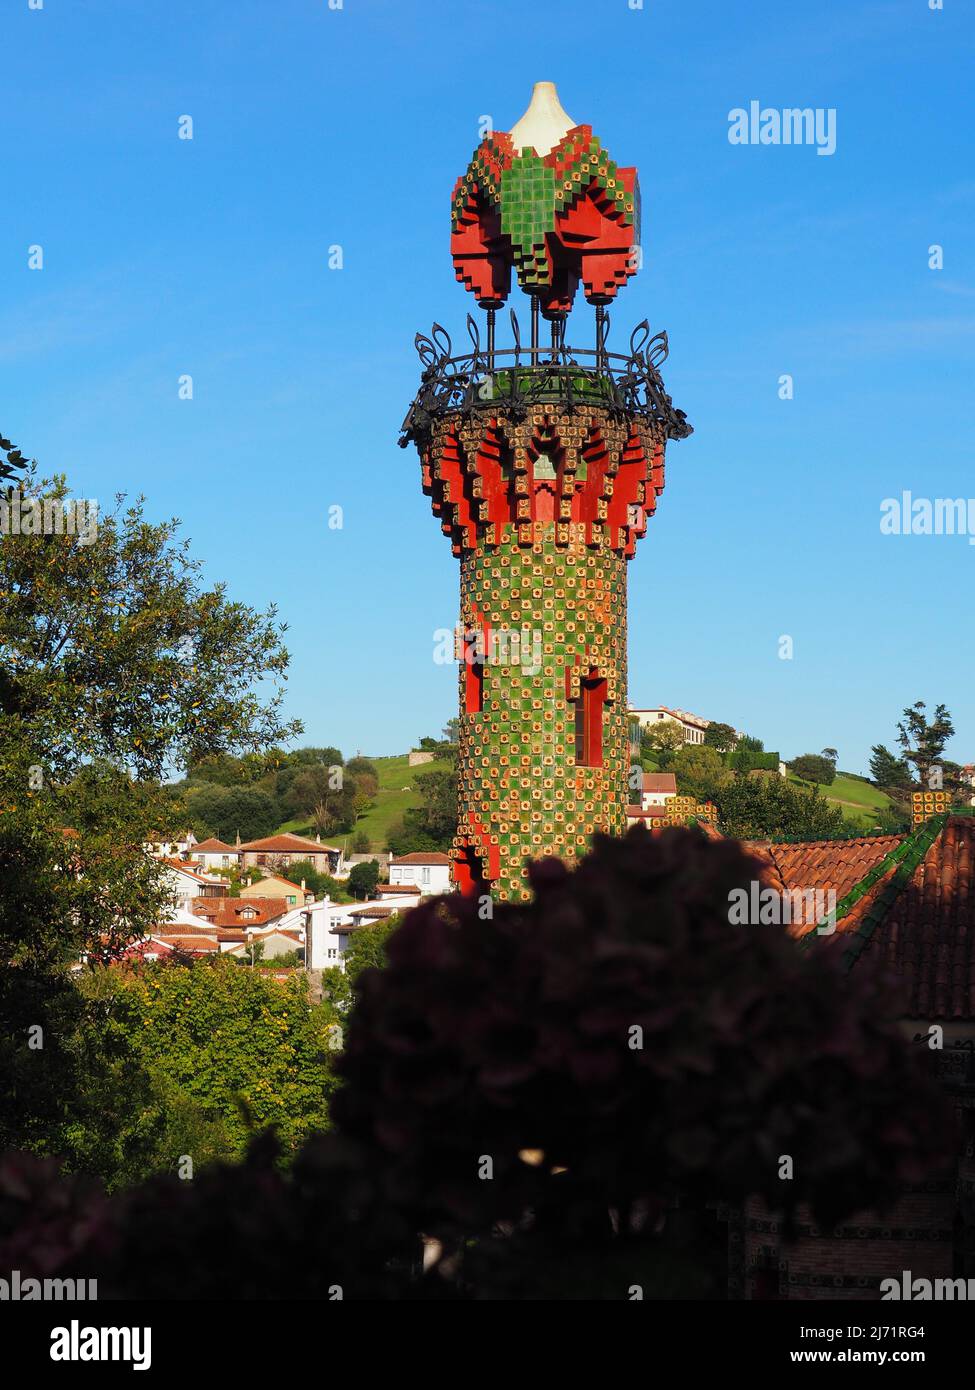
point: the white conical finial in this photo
(544, 123)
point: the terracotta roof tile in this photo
(287, 844)
(660, 782)
(927, 937)
(422, 857)
(228, 912)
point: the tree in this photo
(116, 664)
(749, 744)
(831, 754)
(246, 1049)
(115, 650)
(227, 812)
(438, 813)
(363, 879)
(720, 736)
(700, 771)
(812, 767)
(361, 843)
(767, 807)
(405, 836)
(890, 773)
(661, 741)
(315, 882)
(923, 742)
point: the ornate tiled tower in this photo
(543, 463)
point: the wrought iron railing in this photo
(488, 378)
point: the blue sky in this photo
(316, 127)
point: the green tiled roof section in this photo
(590, 164)
(906, 856)
(916, 846)
(527, 213)
(482, 172)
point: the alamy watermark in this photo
(49, 516)
(18, 1289)
(792, 125)
(908, 515)
(761, 906)
(495, 647)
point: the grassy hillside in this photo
(397, 781)
(858, 800)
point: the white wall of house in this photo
(429, 878)
(692, 728)
(211, 860)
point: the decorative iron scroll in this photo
(514, 378)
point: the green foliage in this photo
(700, 771)
(812, 767)
(361, 843)
(431, 825)
(367, 948)
(749, 744)
(720, 736)
(923, 740)
(661, 742)
(765, 807)
(405, 836)
(227, 811)
(245, 1049)
(363, 879)
(742, 759)
(889, 772)
(116, 663)
(116, 650)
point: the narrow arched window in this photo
(590, 708)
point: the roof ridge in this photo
(914, 850)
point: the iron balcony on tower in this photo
(491, 379)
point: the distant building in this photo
(692, 726)
(278, 851)
(214, 854)
(657, 788)
(277, 886)
(427, 870)
(189, 883)
(247, 914)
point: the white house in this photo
(426, 870)
(658, 788)
(162, 848)
(187, 882)
(214, 854)
(692, 726)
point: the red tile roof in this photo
(825, 864)
(227, 912)
(660, 782)
(288, 844)
(393, 888)
(927, 935)
(197, 945)
(916, 919)
(421, 857)
(193, 871)
(213, 846)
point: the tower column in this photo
(542, 468)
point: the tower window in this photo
(474, 651)
(589, 722)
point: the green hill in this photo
(858, 800)
(396, 794)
